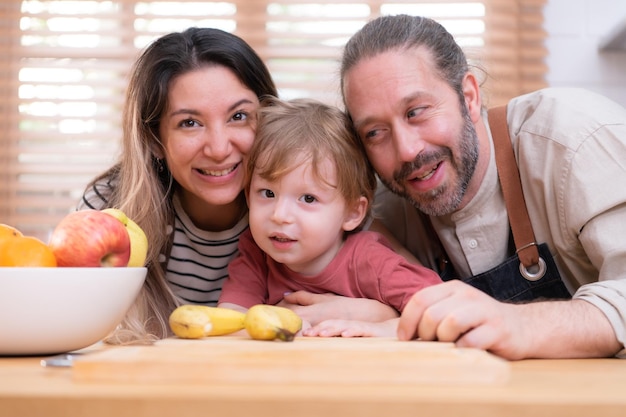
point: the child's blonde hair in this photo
(289, 132)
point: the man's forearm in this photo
(567, 329)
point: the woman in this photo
(189, 120)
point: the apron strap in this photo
(522, 229)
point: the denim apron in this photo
(512, 280)
(505, 282)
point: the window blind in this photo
(66, 65)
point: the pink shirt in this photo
(365, 267)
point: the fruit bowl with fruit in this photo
(71, 292)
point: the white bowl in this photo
(47, 311)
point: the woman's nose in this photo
(217, 143)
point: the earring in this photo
(160, 165)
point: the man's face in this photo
(419, 138)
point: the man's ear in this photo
(471, 92)
(355, 214)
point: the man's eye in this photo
(371, 134)
(415, 112)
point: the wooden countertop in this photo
(590, 387)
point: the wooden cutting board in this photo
(223, 360)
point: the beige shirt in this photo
(570, 146)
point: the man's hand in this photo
(456, 312)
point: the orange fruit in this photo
(25, 251)
(8, 232)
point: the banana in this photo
(195, 321)
(268, 322)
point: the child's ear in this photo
(355, 214)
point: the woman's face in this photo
(207, 129)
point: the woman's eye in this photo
(188, 123)
(240, 116)
(267, 193)
(308, 199)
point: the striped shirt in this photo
(198, 262)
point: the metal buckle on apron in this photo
(538, 270)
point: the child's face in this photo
(299, 220)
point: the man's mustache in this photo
(421, 160)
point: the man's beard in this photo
(446, 198)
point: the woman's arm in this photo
(316, 308)
(233, 307)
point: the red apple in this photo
(90, 238)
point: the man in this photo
(418, 111)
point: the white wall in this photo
(575, 29)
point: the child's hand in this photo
(305, 326)
(353, 328)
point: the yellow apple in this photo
(138, 239)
